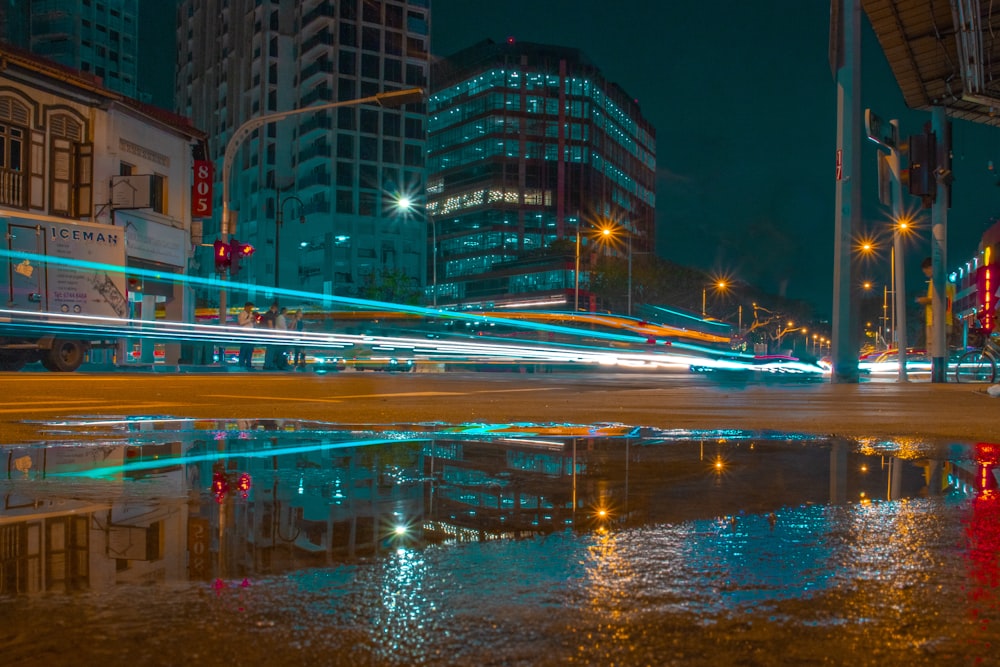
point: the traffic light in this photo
(237, 251)
(222, 256)
(923, 157)
(220, 485)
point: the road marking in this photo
(102, 406)
(62, 401)
(404, 394)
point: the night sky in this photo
(744, 104)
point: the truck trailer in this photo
(65, 290)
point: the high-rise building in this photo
(99, 37)
(529, 144)
(340, 170)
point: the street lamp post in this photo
(630, 274)
(243, 132)
(278, 220)
(721, 285)
(576, 273)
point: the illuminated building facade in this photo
(976, 282)
(340, 170)
(528, 145)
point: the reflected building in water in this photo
(202, 500)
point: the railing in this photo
(12, 189)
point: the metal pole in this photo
(576, 273)
(630, 275)
(939, 258)
(898, 270)
(848, 190)
(704, 297)
(277, 240)
(244, 131)
(434, 264)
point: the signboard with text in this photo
(201, 190)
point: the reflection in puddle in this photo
(437, 544)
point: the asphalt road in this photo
(916, 409)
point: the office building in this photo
(529, 149)
(340, 171)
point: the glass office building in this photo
(528, 145)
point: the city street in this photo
(916, 409)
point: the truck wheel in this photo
(13, 360)
(65, 356)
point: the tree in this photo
(392, 286)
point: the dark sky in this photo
(744, 105)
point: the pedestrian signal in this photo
(237, 251)
(222, 256)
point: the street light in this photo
(278, 220)
(392, 98)
(720, 285)
(406, 205)
(610, 233)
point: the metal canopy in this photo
(943, 53)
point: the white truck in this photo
(64, 290)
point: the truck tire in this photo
(13, 360)
(65, 356)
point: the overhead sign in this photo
(884, 134)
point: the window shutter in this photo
(61, 177)
(84, 185)
(36, 166)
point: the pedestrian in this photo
(280, 360)
(298, 354)
(267, 321)
(246, 320)
(927, 301)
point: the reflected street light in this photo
(392, 98)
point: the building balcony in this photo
(319, 70)
(319, 125)
(316, 45)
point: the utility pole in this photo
(845, 60)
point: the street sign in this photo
(884, 134)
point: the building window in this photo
(158, 193)
(13, 159)
(70, 168)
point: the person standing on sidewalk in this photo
(296, 325)
(280, 357)
(247, 319)
(267, 321)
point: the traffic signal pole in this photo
(390, 98)
(939, 245)
(845, 57)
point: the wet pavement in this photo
(161, 541)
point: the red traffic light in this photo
(238, 251)
(222, 256)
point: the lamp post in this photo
(243, 132)
(406, 205)
(576, 273)
(278, 220)
(630, 274)
(704, 299)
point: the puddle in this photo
(492, 544)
